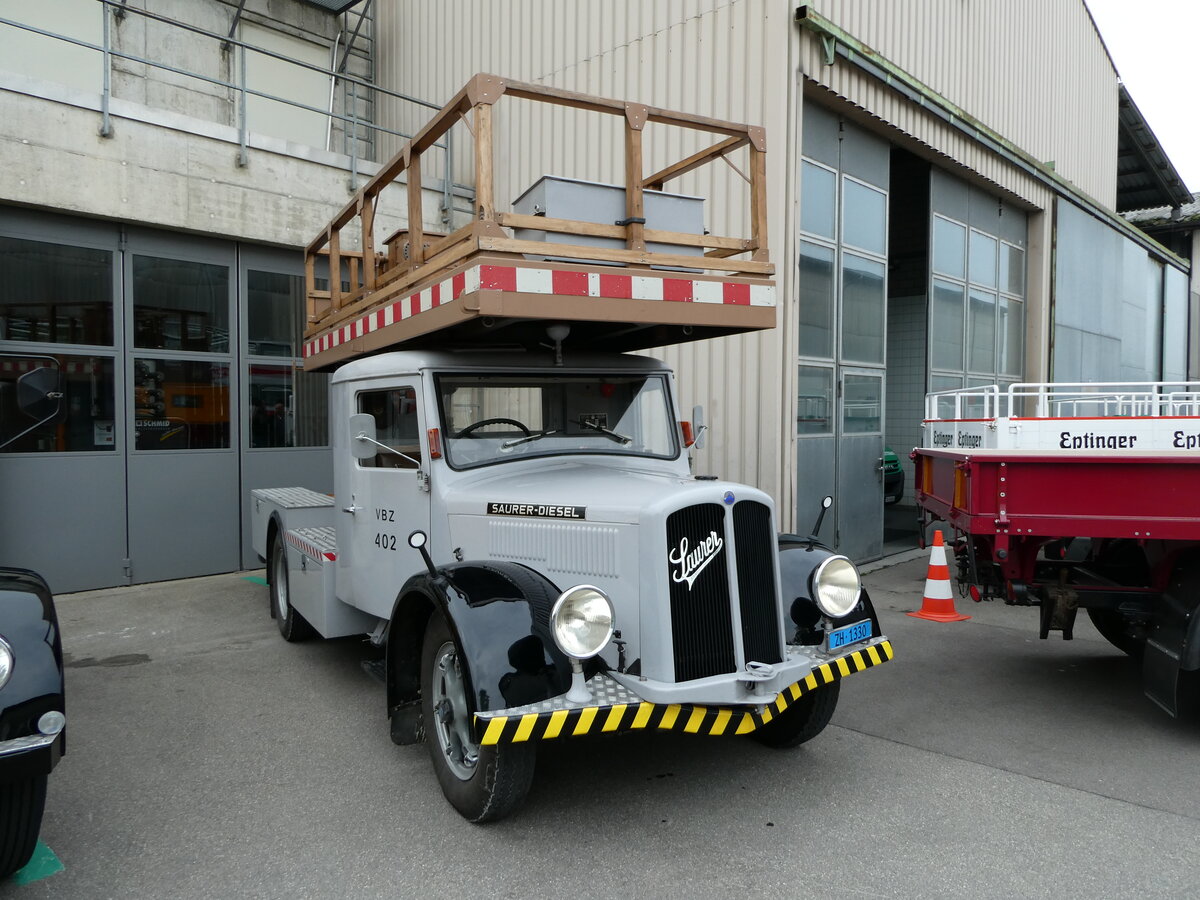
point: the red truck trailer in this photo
(1078, 496)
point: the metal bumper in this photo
(36, 754)
(617, 708)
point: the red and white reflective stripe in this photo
(562, 282)
(309, 549)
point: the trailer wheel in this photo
(293, 626)
(802, 721)
(21, 806)
(1114, 628)
(483, 783)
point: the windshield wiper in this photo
(619, 438)
(537, 435)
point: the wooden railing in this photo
(413, 255)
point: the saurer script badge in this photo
(690, 561)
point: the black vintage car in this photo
(32, 720)
(32, 712)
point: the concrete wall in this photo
(172, 160)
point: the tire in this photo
(293, 626)
(483, 783)
(1112, 627)
(802, 721)
(21, 806)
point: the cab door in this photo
(389, 498)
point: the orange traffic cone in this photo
(938, 603)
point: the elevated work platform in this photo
(624, 286)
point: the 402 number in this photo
(385, 541)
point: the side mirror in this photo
(40, 395)
(698, 424)
(362, 436)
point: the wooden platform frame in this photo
(415, 259)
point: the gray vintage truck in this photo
(527, 540)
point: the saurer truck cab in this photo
(1078, 496)
(515, 518)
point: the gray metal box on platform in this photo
(604, 204)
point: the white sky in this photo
(1155, 45)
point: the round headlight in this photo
(6, 662)
(836, 587)
(582, 621)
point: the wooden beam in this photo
(335, 268)
(635, 206)
(594, 229)
(485, 183)
(695, 161)
(629, 257)
(758, 203)
(416, 213)
(366, 217)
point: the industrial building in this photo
(948, 182)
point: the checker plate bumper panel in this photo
(619, 709)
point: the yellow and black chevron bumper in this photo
(621, 710)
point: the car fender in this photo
(798, 559)
(499, 613)
(29, 624)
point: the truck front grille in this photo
(756, 581)
(701, 628)
(701, 607)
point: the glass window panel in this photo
(814, 409)
(88, 395)
(288, 407)
(982, 264)
(945, 405)
(396, 424)
(818, 200)
(1011, 330)
(981, 332)
(946, 327)
(274, 313)
(864, 217)
(816, 300)
(863, 309)
(862, 404)
(180, 404)
(180, 305)
(949, 248)
(55, 294)
(1012, 269)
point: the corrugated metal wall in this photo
(1034, 70)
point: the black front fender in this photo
(499, 613)
(798, 559)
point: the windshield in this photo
(497, 418)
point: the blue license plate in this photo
(851, 634)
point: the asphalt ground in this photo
(208, 758)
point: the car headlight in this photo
(6, 662)
(582, 621)
(836, 586)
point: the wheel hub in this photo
(451, 714)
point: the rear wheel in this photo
(293, 626)
(483, 783)
(803, 720)
(21, 806)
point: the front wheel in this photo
(483, 783)
(293, 626)
(803, 720)
(21, 806)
